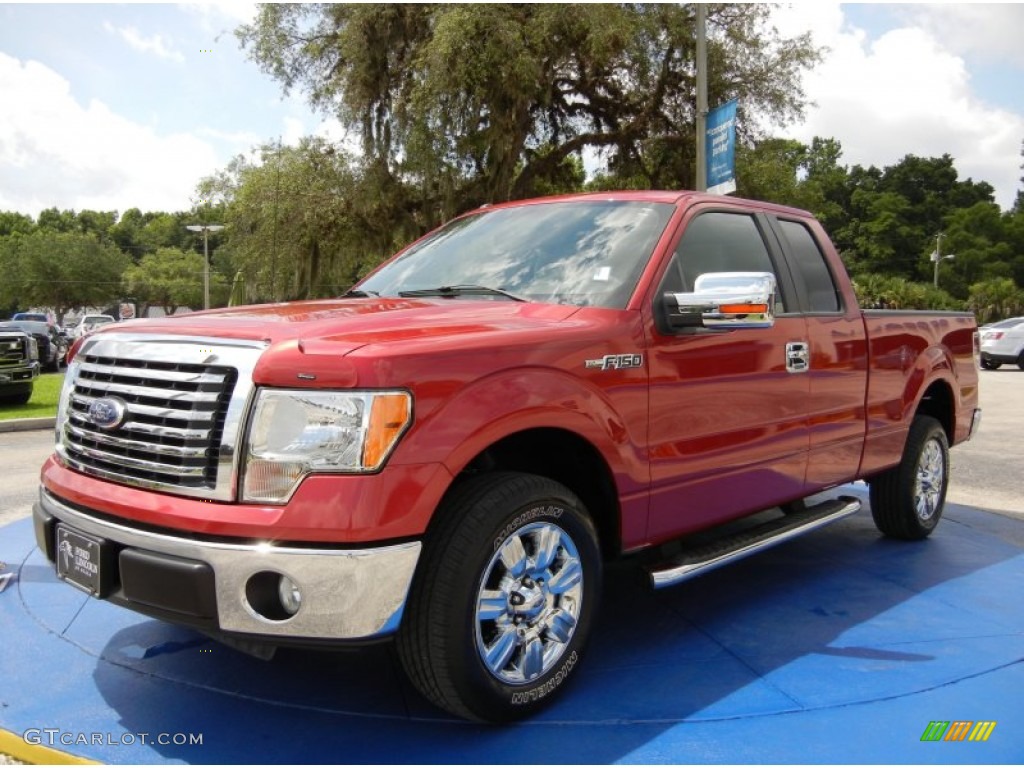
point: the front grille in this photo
(171, 432)
(13, 351)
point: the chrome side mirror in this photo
(723, 300)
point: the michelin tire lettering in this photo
(526, 517)
(535, 694)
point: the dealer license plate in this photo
(78, 559)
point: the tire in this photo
(19, 398)
(1020, 361)
(504, 597)
(990, 365)
(907, 500)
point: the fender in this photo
(889, 422)
(511, 401)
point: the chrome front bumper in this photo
(347, 594)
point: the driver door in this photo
(728, 409)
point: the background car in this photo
(19, 364)
(53, 346)
(87, 324)
(40, 317)
(1007, 323)
(1003, 342)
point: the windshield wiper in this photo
(450, 291)
(357, 293)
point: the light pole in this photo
(206, 229)
(937, 256)
(702, 98)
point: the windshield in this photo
(31, 326)
(588, 252)
(1010, 323)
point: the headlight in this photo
(64, 403)
(295, 432)
(33, 348)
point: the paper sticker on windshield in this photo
(616, 362)
(603, 273)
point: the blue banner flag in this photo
(720, 148)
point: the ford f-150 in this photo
(448, 454)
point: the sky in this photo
(109, 107)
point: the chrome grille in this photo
(182, 403)
(12, 351)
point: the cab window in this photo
(809, 264)
(718, 242)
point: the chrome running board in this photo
(707, 557)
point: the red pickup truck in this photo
(448, 454)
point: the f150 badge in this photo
(616, 362)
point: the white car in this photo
(87, 324)
(1003, 342)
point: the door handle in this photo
(798, 356)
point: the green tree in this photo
(56, 220)
(469, 104)
(886, 292)
(171, 278)
(11, 222)
(792, 173)
(995, 299)
(770, 170)
(1018, 205)
(164, 230)
(61, 270)
(895, 214)
(306, 221)
(979, 239)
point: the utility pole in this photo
(937, 257)
(206, 229)
(702, 98)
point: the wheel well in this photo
(568, 459)
(938, 403)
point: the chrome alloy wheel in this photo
(931, 472)
(528, 603)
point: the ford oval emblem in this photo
(108, 412)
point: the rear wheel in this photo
(1020, 361)
(503, 599)
(907, 500)
(990, 365)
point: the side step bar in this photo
(707, 557)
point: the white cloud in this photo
(154, 44)
(293, 132)
(57, 152)
(987, 31)
(904, 93)
(238, 140)
(237, 11)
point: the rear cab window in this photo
(810, 270)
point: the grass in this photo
(42, 403)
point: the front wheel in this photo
(990, 365)
(503, 599)
(907, 500)
(19, 398)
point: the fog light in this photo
(289, 594)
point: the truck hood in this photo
(352, 323)
(311, 337)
